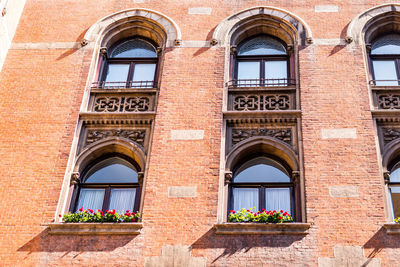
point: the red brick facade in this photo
(42, 86)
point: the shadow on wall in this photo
(242, 243)
(380, 240)
(72, 51)
(44, 242)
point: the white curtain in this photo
(91, 199)
(245, 198)
(122, 199)
(277, 199)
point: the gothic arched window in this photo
(262, 183)
(385, 60)
(261, 61)
(110, 183)
(394, 188)
(131, 63)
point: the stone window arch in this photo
(262, 116)
(263, 172)
(115, 122)
(377, 32)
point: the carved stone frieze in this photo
(137, 136)
(239, 135)
(389, 101)
(121, 104)
(390, 134)
(261, 102)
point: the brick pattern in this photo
(41, 93)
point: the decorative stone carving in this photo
(140, 177)
(177, 42)
(137, 136)
(389, 101)
(261, 102)
(239, 135)
(75, 178)
(121, 104)
(390, 134)
(386, 177)
(213, 42)
(296, 177)
(348, 39)
(84, 42)
(228, 177)
(233, 49)
(136, 104)
(103, 51)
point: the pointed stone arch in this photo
(280, 22)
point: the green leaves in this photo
(263, 216)
(89, 216)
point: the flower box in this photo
(95, 228)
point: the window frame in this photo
(261, 59)
(107, 186)
(132, 61)
(262, 186)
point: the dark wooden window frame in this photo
(262, 59)
(261, 186)
(131, 61)
(107, 186)
(395, 58)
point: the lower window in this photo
(262, 183)
(110, 183)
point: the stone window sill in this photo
(262, 228)
(95, 228)
(392, 228)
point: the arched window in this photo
(385, 60)
(262, 183)
(261, 61)
(110, 183)
(394, 188)
(131, 63)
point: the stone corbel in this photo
(103, 52)
(75, 178)
(159, 50)
(140, 177)
(296, 177)
(233, 49)
(213, 42)
(178, 42)
(228, 177)
(386, 177)
(309, 40)
(290, 49)
(84, 42)
(368, 47)
(348, 39)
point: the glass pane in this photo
(117, 74)
(277, 199)
(262, 45)
(395, 194)
(91, 199)
(134, 48)
(395, 176)
(249, 71)
(385, 70)
(276, 70)
(112, 170)
(144, 72)
(262, 170)
(245, 198)
(386, 45)
(122, 199)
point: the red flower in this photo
(127, 211)
(91, 211)
(248, 210)
(133, 219)
(281, 211)
(280, 218)
(106, 210)
(263, 209)
(81, 209)
(59, 215)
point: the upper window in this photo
(385, 60)
(261, 61)
(130, 64)
(262, 183)
(394, 188)
(109, 184)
